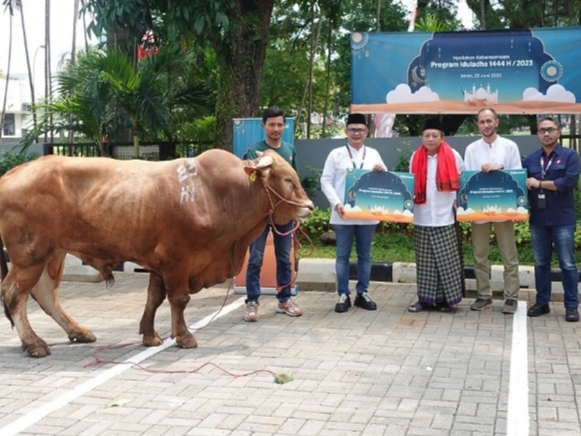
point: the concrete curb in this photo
(319, 275)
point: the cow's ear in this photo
(249, 167)
(264, 162)
(252, 169)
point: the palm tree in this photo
(9, 5)
(47, 73)
(75, 19)
(97, 95)
(27, 54)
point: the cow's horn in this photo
(264, 162)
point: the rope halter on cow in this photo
(264, 162)
(268, 190)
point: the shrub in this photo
(318, 222)
(9, 160)
(312, 184)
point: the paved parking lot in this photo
(387, 372)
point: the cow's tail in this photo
(3, 274)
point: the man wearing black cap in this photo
(436, 167)
(353, 155)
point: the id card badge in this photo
(541, 201)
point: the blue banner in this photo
(526, 71)
(248, 131)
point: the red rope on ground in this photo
(97, 360)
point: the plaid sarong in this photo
(438, 265)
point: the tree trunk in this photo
(315, 32)
(30, 78)
(74, 52)
(47, 73)
(482, 14)
(3, 114)
(327, 78)
(135, 146)
(239, 88)
(74, 47)
(85, 29)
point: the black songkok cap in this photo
(433, 123)
(356, 119)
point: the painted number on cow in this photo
(186, 194)
(187, 170)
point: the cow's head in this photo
(287, 197)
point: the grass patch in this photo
(399, 247)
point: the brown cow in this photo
(188, 221)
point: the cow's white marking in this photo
(187, 170)
(518, 392)
(37, 414)
(187, 194)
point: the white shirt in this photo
(501, 152)
(438, 210)
(335, 173)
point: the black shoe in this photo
(343, 304)
(571, 314)
(510, 306)
(364, 301)
(538, 310)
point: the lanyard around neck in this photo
(543, 169)
(351, 157)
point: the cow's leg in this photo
(179, 298)
(45, 292)
(155, 296)
(15, 289)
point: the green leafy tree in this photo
(293, 78)
(237, 30)
(361, 17)
(103, 90)
(518, 14)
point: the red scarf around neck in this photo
(447, 179)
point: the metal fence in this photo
(124, 150)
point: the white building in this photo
(18, 109)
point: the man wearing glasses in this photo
(353, 155)
(553, 174)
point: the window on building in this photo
(9, 125)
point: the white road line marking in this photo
(36, 415)
(518, 392)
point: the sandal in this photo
(418, 307)
(444, 307)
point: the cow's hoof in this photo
(82, 337)
(152, 340)
(40, 350)
(189, 342)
